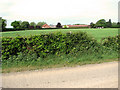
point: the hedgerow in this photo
(44, 45)
(57, 49)
(112, 42)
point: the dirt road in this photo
(103, 75)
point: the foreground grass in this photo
(98, 34)
(60, 61)
(29, 68)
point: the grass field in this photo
(98, 34)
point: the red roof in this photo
(45, 26)
(78, 25)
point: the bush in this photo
(112, 42)
(56, 44)
(22, 58)
(44, 45)
(69, 48)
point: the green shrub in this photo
(112, 42)
(44, 45)
(57, 44)
(69, 48)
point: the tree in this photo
(114, 25)
(32, 25)
(101, 23)
(65, 26)
(59, 25)
(4, 23)
(109, 24)
(40, 24)
(16, 24)
(118, 24)
(92, 25)
(25, 25)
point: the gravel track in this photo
(103, 75)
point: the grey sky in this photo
(64, 11)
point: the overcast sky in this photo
(64, 11)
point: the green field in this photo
(98, 34)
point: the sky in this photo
(63, 11)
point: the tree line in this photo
(22, 25)
(32, 25)
(105, 24)
(27, 25)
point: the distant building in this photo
(66, 26)
(52, 26)
(46, 26)
(78, 26)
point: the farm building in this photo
(46, 26)
(67, 26)
(52, 26)
(78, 26)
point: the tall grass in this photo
(31, 61)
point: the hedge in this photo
(12, 29)
(112, 42)
(44, 45)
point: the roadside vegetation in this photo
(56, 50)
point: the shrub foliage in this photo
(44, 45)
(112, 42)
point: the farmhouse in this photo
(46, 26)
(78, 26)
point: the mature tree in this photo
(59, 25)
(118, 24)
(92, 25)
(4, 23)
(41, 24)
(16, 24)
(101, 23)
(109, 24)
(32, 25)
(25, 25)
(114, 25)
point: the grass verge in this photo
(29, 68)
(54, 61)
